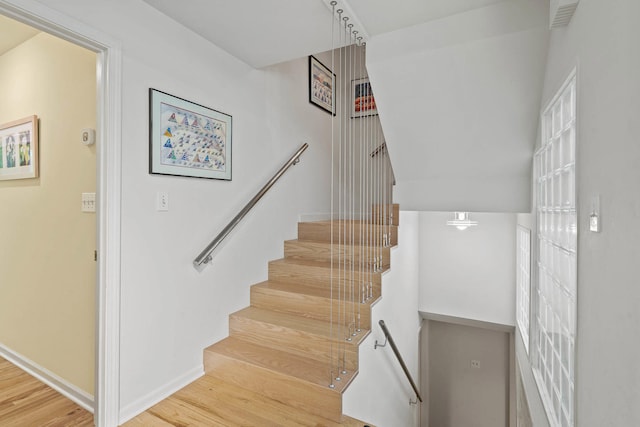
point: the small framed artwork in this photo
(321, 86)
(188, 139)
(19, 149)
(363, 103)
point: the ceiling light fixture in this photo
(461, 221)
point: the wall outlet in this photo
(475, 364)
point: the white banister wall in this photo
(380, 393)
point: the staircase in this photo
(273, 369)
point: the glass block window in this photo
(523, 281)
(554, 317)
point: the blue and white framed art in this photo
(188, 139)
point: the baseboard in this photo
(145, 402)
(60, 385)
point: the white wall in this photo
(380, 393)
(169, 311)
(458, 100)
(601, 41)
(468, 274)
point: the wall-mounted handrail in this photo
(382, 149)
(389, 339)
(205, 256)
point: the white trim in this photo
(147, 401)
(109, 257)
(513, 419)
(57, 383)
(109, 119)
(500, 327)
(522, 321)
(531, 391)
(572, 74)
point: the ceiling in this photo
(267, 32)
(13, 33)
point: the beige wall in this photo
(47, 268)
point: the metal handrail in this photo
(205, 256)
(382, 148)
(389, 338)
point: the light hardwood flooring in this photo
(27, 402)
(211, 402)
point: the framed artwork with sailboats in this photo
(188, 139)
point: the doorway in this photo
(107, 186)
(467, 372)
(47, 311)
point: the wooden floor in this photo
(26, 402)
(211, 402)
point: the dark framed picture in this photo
(321, 86)
(19, 149)
(188, 139)
(362, 102)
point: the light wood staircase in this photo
(273, 369)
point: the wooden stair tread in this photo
(356, 254)
(346, 221)
(310, 291)
(303, 324)
(350, 223)
(320, 264)
(347, 232)
(283, 362)
(322, 244)
(209, 401)
(305, 262)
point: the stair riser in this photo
(300, 394)
(303, 344)
(322, 252)
(321, 232)
(308, 306)
(321, 277)
(389, 214)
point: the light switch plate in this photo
(88, 202)
(594, 223)
(162, 201)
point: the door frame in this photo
(109, 147)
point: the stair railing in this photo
(205, 256)
(389, 339)
(361, 213)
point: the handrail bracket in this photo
(376, 345)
